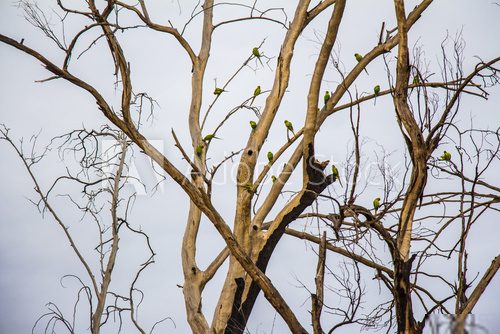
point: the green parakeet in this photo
(376, 203)
(253, 124)
(359, 58)
(336, 174)
(218, 91)
(270, 156)
(199, 150)
(257, 91)
(376, 89)
(209, 137)
(289, 126)
(446, 156)
(416, 80)
(326, 97)
(256, 53)
(273, 178)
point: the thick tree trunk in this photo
(418, 151)
(235, 287)
(193, 276)
(402, 298)
(193, 286)
(246, 290)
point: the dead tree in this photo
(261, 219)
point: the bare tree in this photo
(411, 223)
(102, 174)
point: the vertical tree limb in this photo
(317, 298)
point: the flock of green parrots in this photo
(289, 126)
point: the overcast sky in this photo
(34, 255)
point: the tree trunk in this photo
(402, 297)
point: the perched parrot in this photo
(376, 89)
(273, 178)
(359, 58)
(253, 124)
(257, 54)
(446, 156)
(335, 173)
(289, 126)
(416, 80)
(218, 91)
(327, 96)
(209, 137)
(376, 203)
(257, 91)
(199, 150)
(270, 156)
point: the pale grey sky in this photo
(33, 252)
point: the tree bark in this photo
(402, 298)
(193, 276)
(228, 301)
(418, 151)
